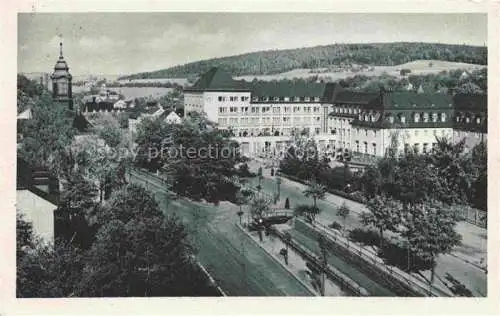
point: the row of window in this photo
(285, 99)
(468, 119)
(265, 109)
(276, 120)
(232, 98)
(269, 132)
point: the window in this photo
(366, 132)
(316, 109)
(318, 118)
(317, 130)
(467, 119)
(424, 148)
(357, 146)
(403, 119)
(391, 119)
(366, 147)
(417, 117)
(307, 99)
(316, 99)
(426, 117)
(478, 120)
(458, 119)
(374, 149)
(443, 117)
(435, 117)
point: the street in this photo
(239, 266)
(473, 243)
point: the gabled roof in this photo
(217, 79)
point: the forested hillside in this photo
(278, 61)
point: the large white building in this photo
(263, 116)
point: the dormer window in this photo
(276, 99)
(426, 117)
(435, 117)
(467, 120)
(417, 117)
(458, 119)
(478, 120)
(255, 99)
(316, 99)
(391, 119)
(307, 99)
(287, 99)
(403, 119)
(443, 117)
(296, 99)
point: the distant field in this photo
(180, 81)
(134, 92)
(418, 67)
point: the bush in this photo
(365, 237)
(335, 225)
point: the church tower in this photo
(61, 81)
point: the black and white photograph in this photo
(247, 154)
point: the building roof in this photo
(331, 91)
(217, 79)
(474, 102)
(410, 100)
(356, 97)
(287, 89)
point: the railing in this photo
(473, 216)
(331, 272)
(391, 275)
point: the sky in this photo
(126, 43)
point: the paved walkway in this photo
(463, 263)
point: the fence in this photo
(343, 280)
(368, 261)
(474, 216)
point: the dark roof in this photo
(287, 89)
(331, 91)
(217, 79)
(408, 99)
(356, 97)
(477, 102)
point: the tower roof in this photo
(61, 68)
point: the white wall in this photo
(38, 211)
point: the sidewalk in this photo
(464, 263)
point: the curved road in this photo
(239, 266)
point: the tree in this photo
(324, 260)
(259, 207)
(140, 252)
(278, 184)
(240, 200)
(48, 136)
(431, 232)
(343, 211)
(261, 177)
(307, 211)
(384, 214)
(316, 191)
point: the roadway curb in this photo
(308, 288)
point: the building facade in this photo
(61, 82)
(264, 116)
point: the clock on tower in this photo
(61, 82)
